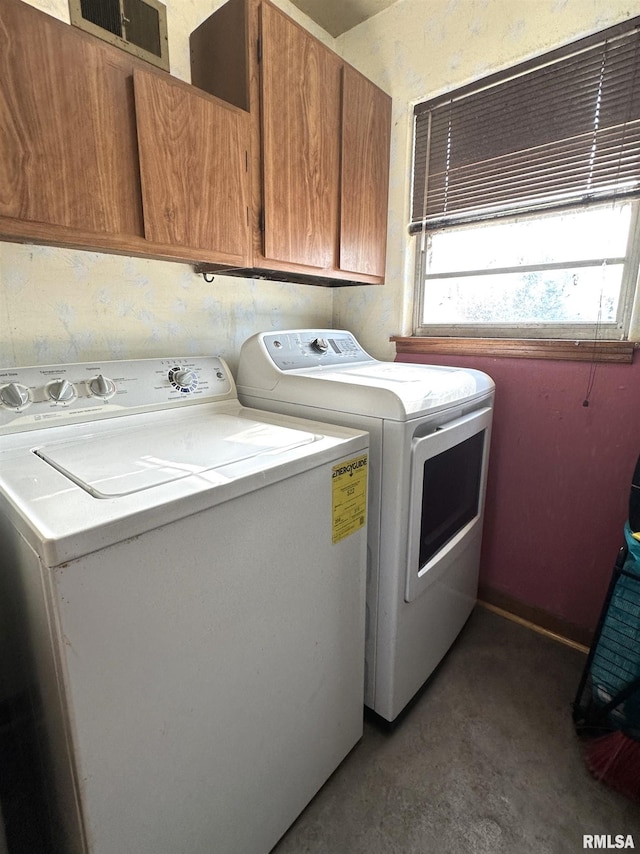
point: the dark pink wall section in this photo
(559, 480)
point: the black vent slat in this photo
(142, 25)
(103, 13)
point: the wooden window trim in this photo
(618, 352)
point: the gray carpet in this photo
(486, 761)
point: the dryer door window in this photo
(448, 483)
(450, 494)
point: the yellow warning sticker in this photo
(349, 496)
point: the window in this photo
(137, 26)
(566, 274)
(525, 197)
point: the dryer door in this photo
(448, 483)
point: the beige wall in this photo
(418, 49)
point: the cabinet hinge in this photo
(246, 161)
(262, 220)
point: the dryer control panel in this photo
(306, 348)
(43, 395)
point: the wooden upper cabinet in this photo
(300, 143)
(79, 149)
(194, 164)
(67, 127)
(366, 129)
(320, 145)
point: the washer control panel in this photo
(304, 348)
(33, 397)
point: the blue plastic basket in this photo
(615, 659)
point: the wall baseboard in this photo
(535, 618)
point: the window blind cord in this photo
(594, 363)
(594, 147)
(596, 119)
(427, 154)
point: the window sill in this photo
(620, 352)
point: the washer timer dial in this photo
(183, 380)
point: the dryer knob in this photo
(320, 345)
(15, 395)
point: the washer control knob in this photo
(102, 386)
(183, 379)
(15, 395)
(61, 391)
(320, 345)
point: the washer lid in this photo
(398, 390)
(132, 460)
(410, 382)
(392, 390)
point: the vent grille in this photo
(141, 22)
(103, 13)
(137, 26)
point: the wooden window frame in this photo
(560, 349)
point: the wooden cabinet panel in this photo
(320, 165)
(300, 143)
(366, 128)
(219, 51)
(194, 167)
(57, 96)
(78, 156)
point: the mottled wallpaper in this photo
(61, 305)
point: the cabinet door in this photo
(300, 143)
(366, 128)
(194, 167)
(58, 93)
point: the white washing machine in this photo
(430, 432)
(187, 579)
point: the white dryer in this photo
(429, 432)
(187, 579)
